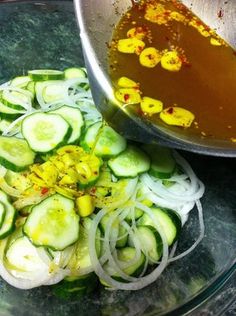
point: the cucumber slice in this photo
(21, 256)
(127, 255)
(15, 153)
(137, 214)
(163, 164)
(151, 242)
(74, 117)
(116, 228)
(45, 132)
(109, 143)
(89, 138)
(8, 224)
(53, 223)
(8, 113)
(2, 213)
(81, 260)
(75, 287)
(17, 100)
(71, 73)
(53, 92)
(129, 163)
(50, 91)
(168, 219)
(45, 74)
(20, 82)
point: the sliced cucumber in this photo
(116, 229)
(53, 223)
(163, 164)
(74, 117)
(127, 255)
(129, 163)
(71, 73)
(52, 90)
(90, 136)
(169, 221)
(45, 132)
(15, 153)
(8, 113)
(137, 214)
(75, 287)
(8, 224)
(20, 82)
(2, 213)
(81, 260)
(45, 74)
(21, 256)
(109, 143)
(150, 241)
(17, 100)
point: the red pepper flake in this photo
(44, 191)
(170, 111)
(93, 190)
(140, 112)
(220, 13)
(126, 97)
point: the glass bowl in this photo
(44, 34)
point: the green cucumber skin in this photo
(45, 76)
(75, 287)
(12, 227)
(2, 217)
(178, 224)
(11, 166)
(9, 116)
(13, 106)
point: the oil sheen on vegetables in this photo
(172, 69)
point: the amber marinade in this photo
(174, 70)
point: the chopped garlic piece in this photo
(215, 42)
(130, 46)
(137, 32)
(128, 95)
(171, 61)
(125, 82)
(177, 116)
(151, 106)
(149, 57)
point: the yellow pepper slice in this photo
(171, 61)
(149, 57)
(85, 205)
(151, 106)
(177, 116)
(130, 46)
